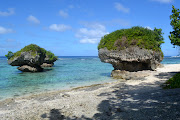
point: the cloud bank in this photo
(91, 33)
(59, 27)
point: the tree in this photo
(159, 35)
(175, 23)
(9, 55)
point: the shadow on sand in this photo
(54, 115)
(140, 102)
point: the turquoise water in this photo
(68, 72)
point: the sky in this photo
(75, 27)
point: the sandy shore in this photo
(140, 99)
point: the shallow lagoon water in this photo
(68, 72)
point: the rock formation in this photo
(30, 58)
(48, 62)
(131, 59)
(28, 62)
(129, 53)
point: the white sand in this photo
(133, 99)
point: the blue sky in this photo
(75, 27)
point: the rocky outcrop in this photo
(131, 59)
(48, 62)
(31, 58)
(28, 61)
(26, 68)
(122, 74)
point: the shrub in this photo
(173, 82)
(51, 56)
(9, 55)
(135, 36)
(35, 49)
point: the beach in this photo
(132, 99)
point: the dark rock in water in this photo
(131, 59)
(30, 58)
(26, 68)
(26, 58)
(47, 64)
(50, 60)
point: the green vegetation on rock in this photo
(34, 49)
(175, 23)
(9, 55)
(51, 55)
(173, 82)
(135, 36)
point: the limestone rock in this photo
(26, 58)
(48, 62)
(122, 74)
(26, 68)
(47, 65)
(30, 58)
(131, 59)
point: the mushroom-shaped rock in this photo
(131, 50)
(131, 59)
(30, 58)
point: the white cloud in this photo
(63, 14)
(7, 13)
(120, 7)
(163, 1)
(5, 30)
(71, 6)
(148, 28)
(33, 19)
(92, 34)
(59, 27)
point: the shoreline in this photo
(65, 89)
(111, 80)
(54, 92)
(110, 100)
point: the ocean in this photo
(68, 72)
